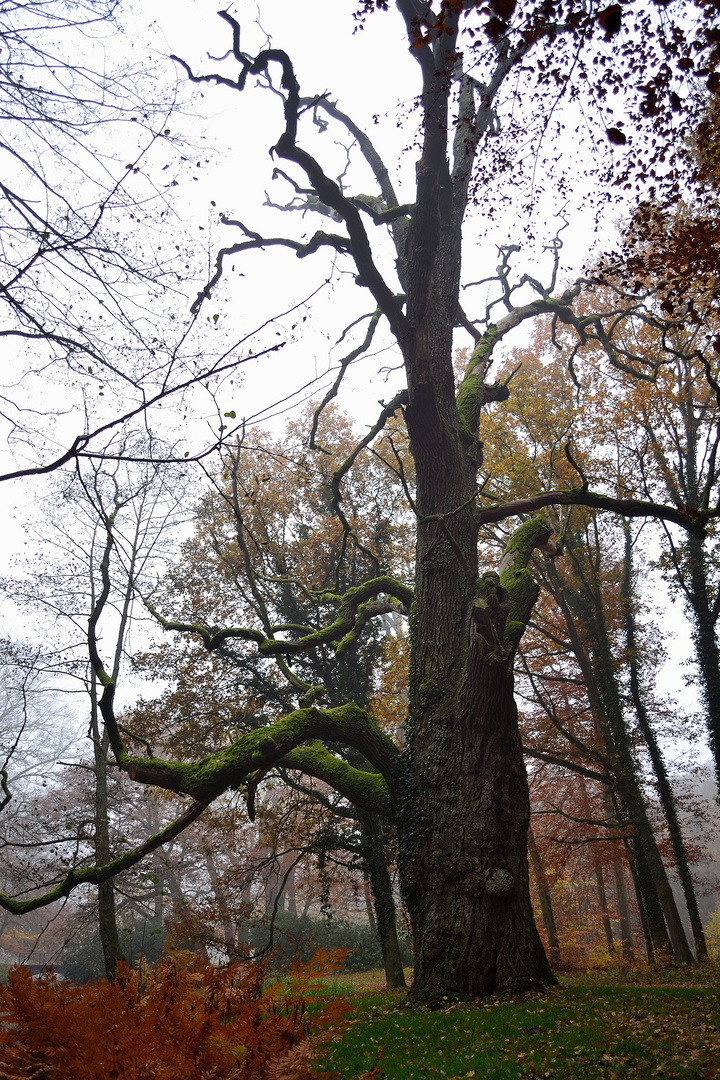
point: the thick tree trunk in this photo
(463, 841)
(465, 867)
(465, 808)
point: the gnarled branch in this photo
(275, 745)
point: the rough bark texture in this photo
(464, 851)
(463, 843)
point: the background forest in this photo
(239, 712)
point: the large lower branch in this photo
(367, 790)
(275, 745)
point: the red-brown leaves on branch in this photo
(499, 22)
(610, 20)
(672, 246)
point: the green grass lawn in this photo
(577, 1031)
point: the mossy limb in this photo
(268, 746)
(520, 588)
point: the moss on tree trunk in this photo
(463, 833)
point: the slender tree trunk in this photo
(678, 844)
(274, 899)
(373, 849)
(545, 898)
(159, 902)
(107, 920)
(585, 599)
(3, 924)
(640, 900)
(704, 619)
(665, 791)
(604, 910)
(290, 893)
(369, 906)
(661, 948)
(626, 934)
(648, 853)
(221, 906)
(158, 868)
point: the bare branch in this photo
(540, 755)
(94, 875)
(327, 191)
(693, 521)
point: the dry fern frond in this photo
(171, 1024)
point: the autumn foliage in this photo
(176, 1023)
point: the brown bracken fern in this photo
(178, 1023)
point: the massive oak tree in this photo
(457, 789)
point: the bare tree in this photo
(94, 261)
(113, 528)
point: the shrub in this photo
(299, 937)
(82, 957)
(712, 934)
(175, 1024)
